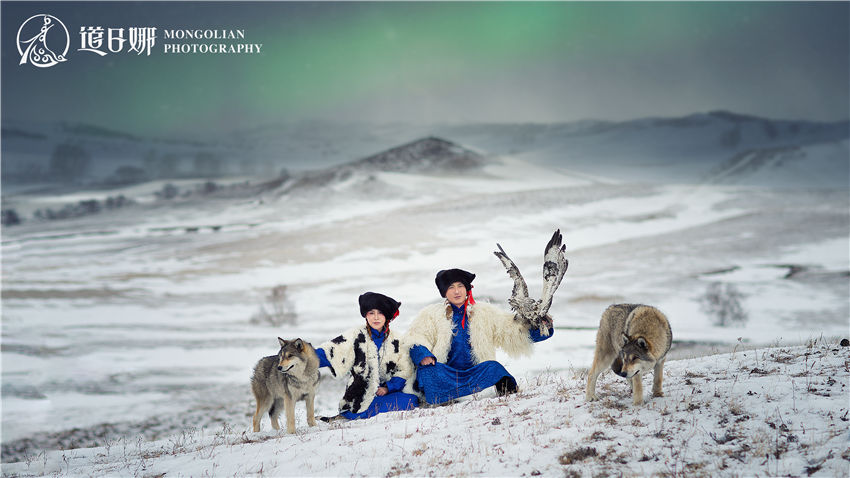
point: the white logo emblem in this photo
(33, 37)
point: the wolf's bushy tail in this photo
(276, 408)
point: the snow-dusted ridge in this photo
(774, 411)
(685, 149)
(428, 156)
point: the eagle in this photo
(535, 313)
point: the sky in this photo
(435, 62)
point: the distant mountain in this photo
(717, 146)
(80, 154)
(430, 155)
(690, 149)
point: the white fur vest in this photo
(355, 352)
(489, 327)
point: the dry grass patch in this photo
(577, 455)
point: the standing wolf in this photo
(632, 339)
(283, 379)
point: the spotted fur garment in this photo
(355, 355)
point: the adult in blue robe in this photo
(460, 376)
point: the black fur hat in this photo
(372, 300)
(447, 277)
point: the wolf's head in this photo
(292, 358)
(634, 357)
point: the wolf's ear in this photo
(642, 343)
(282, 342)
(299, 345)
(625, 339)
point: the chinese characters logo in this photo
(141, 39)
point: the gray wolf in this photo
(632, 339)
(283, 379)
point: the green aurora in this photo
(440, 61)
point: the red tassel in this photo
(387, 325)
(469, 301)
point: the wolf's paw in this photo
(312, 422)
(659, 393)
(591, 397)
(637, 401)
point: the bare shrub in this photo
(83, 208)
(723, 302)
(207, 188)
(10, 217)
(276, 309)
(168, 191)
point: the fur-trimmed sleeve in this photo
(507, 333)
(340, 353)
(423, 330)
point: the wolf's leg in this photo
(289, 408)
(311, 418)
(657, 378)
(637, 389)
(600, 363)
(263, 404)
(274, 413)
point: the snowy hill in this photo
(689, 149)
(67, 156)
(774, 411)
(431, 156)
(427, 155)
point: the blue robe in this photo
(459, 376)
(393, 401)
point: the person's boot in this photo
(506, 386)
(332, 419)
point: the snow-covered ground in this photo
(131, 330)
(775, 411)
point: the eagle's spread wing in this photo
(535, 313)
(524, 307)
(554, 267)
(520, 290)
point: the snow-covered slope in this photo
(66, 154)
(690, 149)
(774, 411)
(428, 156)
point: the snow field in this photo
(769, 411)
